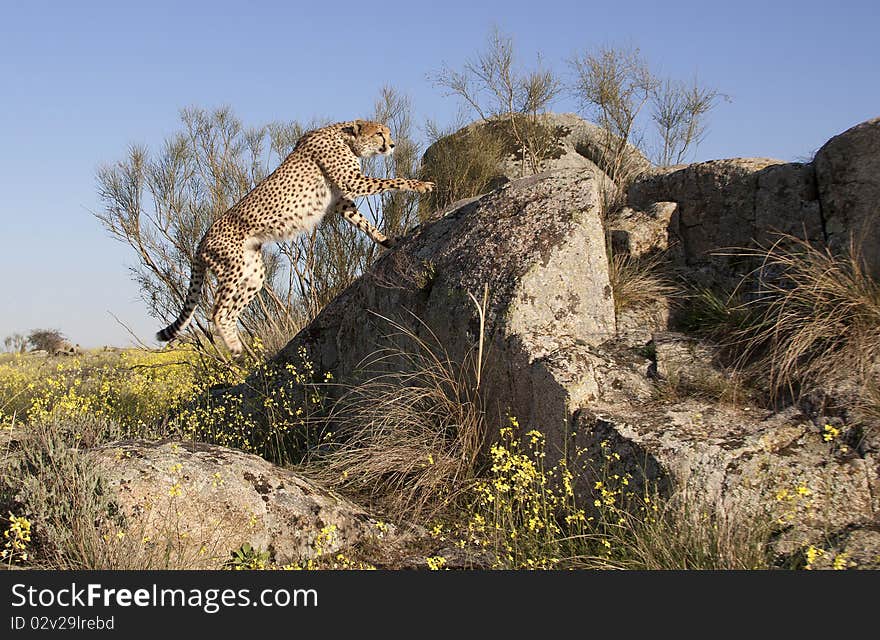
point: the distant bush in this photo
(15, 343)
(46, 339)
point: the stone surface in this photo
(684, 359)
(854, 547)
(576, 144)
(848, 175)
(205, 500)
(539, 246)
(639, 233)
(727, 206)
(742, 459)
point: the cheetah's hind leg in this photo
(232, 300)
(223, 319)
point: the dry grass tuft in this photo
(817, 317)
(688, 533)
(410, 439)
(462, 164)
(637, 282)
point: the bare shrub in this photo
(494, 88)
(616, 86)
(679, 112)
(161, 203)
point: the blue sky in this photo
(80, 81)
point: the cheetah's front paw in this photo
(419, 186)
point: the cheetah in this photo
(320, 176)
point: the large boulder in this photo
(569, 142)
(727, 206)
(204, 501)
(557, 359)
(741, 459)
(848, 175)
(539, 246)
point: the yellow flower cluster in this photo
(837, 562)
(17, 536)
(134, 388)
(529, 515)
(830, 433)
(521, 509)
(166, 394)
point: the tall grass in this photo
(817, 317)
(684, 531)
(637, 282)
(410, 439)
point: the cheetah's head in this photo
(368, 138)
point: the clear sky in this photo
(80, 81)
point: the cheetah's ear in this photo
(353, 129)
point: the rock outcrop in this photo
(538, 245)
(570, 143)
(205, 501)
(726, 206)
(557, 360)
(848, 176)
(742, 458)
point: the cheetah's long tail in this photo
(196, 280)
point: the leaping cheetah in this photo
(319, 177)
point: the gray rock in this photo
(728, 206)
(787, 201)
(575, 144)
(638, 233)
(538, 244)
(848, 175)
(205, 501)
(685, 360)
(857, 547)
(741, 460)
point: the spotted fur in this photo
(320, 176)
